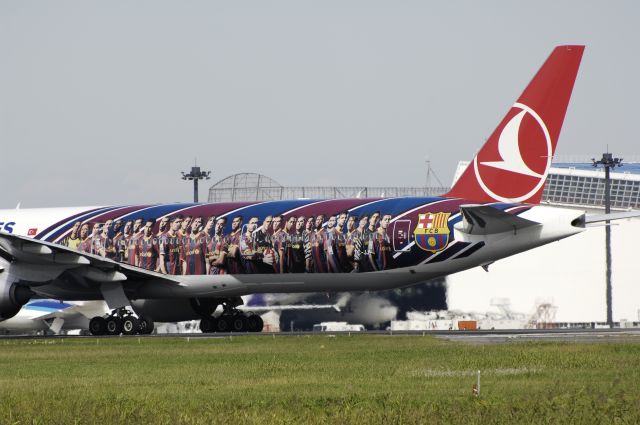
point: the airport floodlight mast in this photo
(195, 175)
(608, 162)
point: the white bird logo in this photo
(509, 149)
(512, 161)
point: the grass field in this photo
(315, 379)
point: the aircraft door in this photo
(400, 234)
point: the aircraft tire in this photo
(114, 325)
(98, 326)
(130, 325)
(146, 325)
(206, 325)
(254, 323)
(223, 324)
(239, 323)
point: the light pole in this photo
(608, 162)
(196, 175)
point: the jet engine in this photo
(12, 296)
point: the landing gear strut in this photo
(120, 321)
(232, 320)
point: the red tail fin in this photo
(512, 165)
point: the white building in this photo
(570, 271)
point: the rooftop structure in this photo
(581, 184)
(568, 184)
(257, 187)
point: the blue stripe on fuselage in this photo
(393, 206)
(155, 211)
(264, 209)
(73, 219)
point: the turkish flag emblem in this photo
(32, 232)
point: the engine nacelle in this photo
(12, 296)
(176, 310)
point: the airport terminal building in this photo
(570, 272)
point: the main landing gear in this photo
(120, 321)
(232, 320)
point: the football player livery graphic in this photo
(490, 213)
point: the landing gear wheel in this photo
(206, 325)
(146, 325)
(214, 324)
(98, 326)
(130, 325)
(224, 324)
(114, 325)
(238, 323)
(254, 323)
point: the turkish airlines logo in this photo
(513, 168)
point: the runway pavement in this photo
(470, 337)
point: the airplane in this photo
(46, 315)
(163, 263)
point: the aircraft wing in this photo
(53, 259)
(485, 220)
(87, 309)
(596, 218)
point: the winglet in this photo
(513, 164)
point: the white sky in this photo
(106, 102)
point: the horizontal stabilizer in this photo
(485, 220)
(596, 218)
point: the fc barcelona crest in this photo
(432, 231)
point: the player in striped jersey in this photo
(318, 255)
(217, 249)
(163, 226)
(308, 231)
(170, 248)
(349, 245)
(184, 230)
(374, 221)
(360, 260)
(295, 248)
(147, 249)
(233, 248)
(119, 242)
(248, 247)
(284, 245)
(194, 250)
(278, 238)
(136, 234)
(380, 254)
(340, 244)
(329, 245)
(103, 242)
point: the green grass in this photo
(315, 379)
